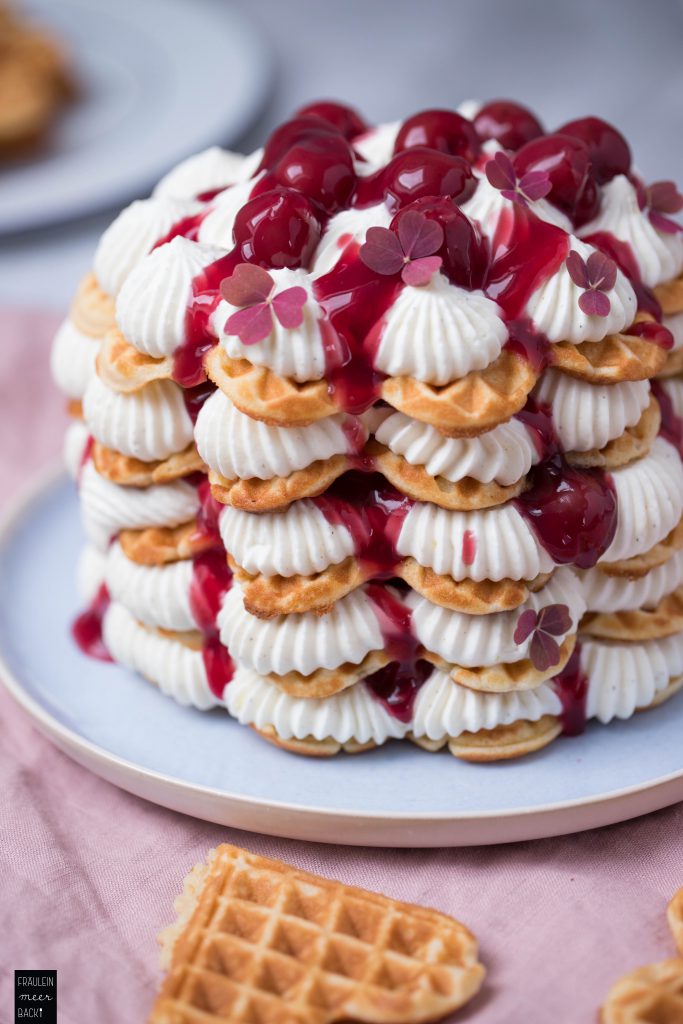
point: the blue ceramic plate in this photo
(159, 79)
(207, 765)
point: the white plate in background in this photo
(160, 79)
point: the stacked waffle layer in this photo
(381, 439)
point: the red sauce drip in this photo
(656, 333)
(86, 455)
(672, 424)
(208, 514)
(354, 432)
(87, 628)
(396, 687)
(469, 547)
(187, 227)
(527, 342)
(573, 512)
(354, 299)
(373, 512)
(571, 686)
(526, 252)
(218, 665)
(211, 193)
(622, 254)
(188, 360)
(194, 398)
(211, 579)
(538, 420)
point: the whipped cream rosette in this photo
(379, 433)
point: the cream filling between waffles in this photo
(623, 677)
(156, 595)
(149, 424)
(151, 307)
(649, 499)
(439, 333)
(659, 255)
(587, 416)
(133, 234)
(554, 306)
(300, 642)
(72, 359)
(108, 508)
(177, 670)
(487, 204)
(605, 593)
(239, 447)
(482, 640)
(353, 714)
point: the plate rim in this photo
(11, 517)
(260, 85)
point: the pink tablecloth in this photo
(89, 873)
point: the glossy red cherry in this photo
(566, 162)
(464, 252)
(508, 123)
(444, 130)
(345, 119)
(277, 229)
(320, 166)
(608, 149)
(422, 172)
(290, 134)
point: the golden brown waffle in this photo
(260, 941)
(506, 742)
(92, 310)
(159, 545)
(269, 596)
(648, 995)
(670, 295)
(261, 394)
(74, 408)
(468, 596)
(122, 368)
(640, 565)
(310, 747)
(469, 406)
(617, 358)
(129, 472)
(516, 675)
(35, 83)
(634, 443)
(674, 914)
(673, 365)
(277, 493)
(325, 682)
(463, 496)
(638, 624)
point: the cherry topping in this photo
(444, 130)
(421, 172)
(465, 254)
(289, 134)
(345, 119)
(320, 166)
(566, 161)
(277, 229)
(508, 123)
(608, 149)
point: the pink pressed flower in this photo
(552, 621)
(251, 288)
(533, 185)
(409, 250)
(597, 275)
(662, 198)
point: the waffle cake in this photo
(378, 433)
(256, 939)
